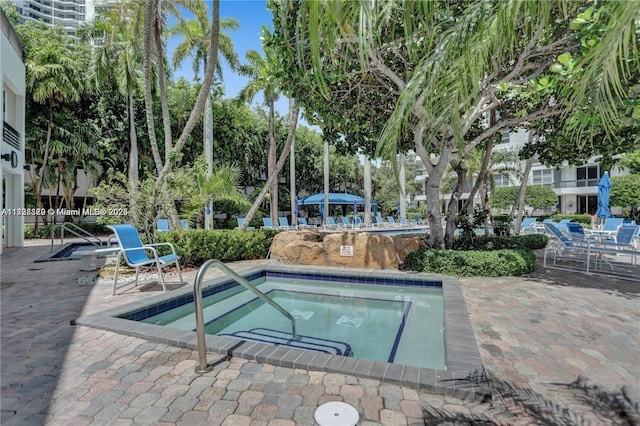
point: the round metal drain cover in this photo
(336, 413)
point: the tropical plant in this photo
(445, 65)
(54, 74)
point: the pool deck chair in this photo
(137, 254)
(162, 225)
(302, 223)
(528, 224)
(284, 223)
(267, 223)
(241, 221)
(611, 224)
(380, 222)
(331, 223)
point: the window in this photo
(500, 180)
(543, 177)
(587, 176)
(506, 136)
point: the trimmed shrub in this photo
(496, 242)
(44, 231)
(227, 245)
(495, 263)
(584, 219)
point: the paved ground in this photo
(559, 348)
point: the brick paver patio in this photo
(557, 347)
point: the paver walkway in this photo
(537, 336)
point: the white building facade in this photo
(575, 186)
(68, 14)
(12, 74)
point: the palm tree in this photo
(261, 72)
(54, 74)
(117, 58)
(196, 40)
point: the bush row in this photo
(495, 242)
(44, 231)
(197, 246)
(472, 263)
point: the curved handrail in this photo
(69, 227)
(197, 299)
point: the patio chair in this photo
(392, 221)
(562, 225)
(626, 237)
(137, 254)
(284, 223)
(611, 224)
(241, 222)
(528, 224)
(302, 223)
(380, 222)
(162, 225)
(267, 223)
(346, 223)
(566, 245)
(331, 223)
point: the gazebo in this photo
(345, 200)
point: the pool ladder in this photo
(78, 232)
(203, 366)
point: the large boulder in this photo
(348, 249)
(369, 250)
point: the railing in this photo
(203, 366)
(80, 233)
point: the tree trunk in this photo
(45, 160)
(452, 209)
(271, 164)
(149, 11)
(402, 201)
(133, 156)
(208, 152)
(292, 184)
(327, 189)
(293, 122)
(518, 206)
(367, 190)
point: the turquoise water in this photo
(403, 325)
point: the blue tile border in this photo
(464, 378)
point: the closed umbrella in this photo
(603, 196)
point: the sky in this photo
(251, 16)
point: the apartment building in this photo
(12, 76)
(68, 14)
(575, 186)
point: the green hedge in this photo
(584, 219)
(197, 246)
(495, 242)
(44, 231)
(495, 263)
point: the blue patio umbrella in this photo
(295, 208)
(603, 196)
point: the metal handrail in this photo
(204, 367)
(67, 225)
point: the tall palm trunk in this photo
(271, 163)
(149, 11)
(327, 188)
(45, 160)
(293, 123)
(133, 155)
(367, 190)
(518, 206)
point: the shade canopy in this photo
(603, 196)
(336, 198)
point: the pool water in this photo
(402, 324)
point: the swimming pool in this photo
(68, 251)
(448, 363)
(338, 317)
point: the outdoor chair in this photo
(136, 254)
(284, 223)
(331, 223)
(302, 223)
(268, 224)
(528, 224)
(162, 225)
(380, 222)
(241, 222)
(392, 221)
(611, 224)
(346, 223)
